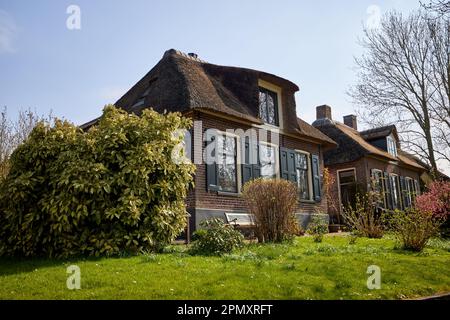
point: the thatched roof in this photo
(181, 82)
(380, 132)
(415, 159)
(353, 145)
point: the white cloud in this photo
(8, 30)
(112, 94)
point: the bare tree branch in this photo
(403, 80)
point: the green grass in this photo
(333, 269)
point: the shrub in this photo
(272, 203)
(365, 219)
(217, 238)
(317, 228)
(111, 189)
(414, 228)
(436, 200)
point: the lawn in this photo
(333, 269)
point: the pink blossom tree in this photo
(436, 200)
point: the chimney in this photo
(193, 55)
(323, 112)
(350, 121)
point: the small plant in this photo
(365, 218)
(272, 203)
(414, 228)
(217, 238)
(317, 228)
(352, 238)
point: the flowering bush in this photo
(436, 201)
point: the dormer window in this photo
(268, 106)
(391, 146)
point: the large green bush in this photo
(113, 188)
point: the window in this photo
(268, 106)
(259, 160)
(302, 175)
(221, 162)
(391, 146)
(226, 163)
(267, 161)
(302, 169)
(413, 190)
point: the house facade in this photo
(367, 160)
(245, 126)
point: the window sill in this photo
(229, 194)
(308, 201)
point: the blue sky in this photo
(45, 66)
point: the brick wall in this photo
(200, 197)
(363, 169)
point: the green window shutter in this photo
(292, 165)
(247, 167)
(404, 189)
(388, 190)
(316, 177)
(288, 164)
(211, 169)
(284, 168)
(256, 168)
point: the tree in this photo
(13, 133)
(439, 6)
(403, 80)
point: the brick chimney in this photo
(351, 121)
(323, 112)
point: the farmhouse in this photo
(367, 160)
(224, 100)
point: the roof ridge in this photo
(182, 54)
(377, 128)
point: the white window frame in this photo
(408, 189)
(391, 146)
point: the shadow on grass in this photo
(18, 265)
